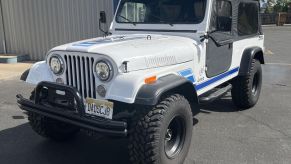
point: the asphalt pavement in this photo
(223, 134)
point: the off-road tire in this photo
(49, 128)
(246, 89)
(147, 142)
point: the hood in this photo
(139, 51)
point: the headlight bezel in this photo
(110, 67)
(61, 61)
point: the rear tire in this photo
(162, 134)
(50, 128)
(246, 89)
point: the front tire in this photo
(50, 128)
(246, 89)
(162, 135)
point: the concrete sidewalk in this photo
(8, 71)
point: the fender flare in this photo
(248, 55)
(24, 75)
(150, 94)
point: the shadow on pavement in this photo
(21, 145)
(224, 104)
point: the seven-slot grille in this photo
(79, 73)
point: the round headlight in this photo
(103, 70)
(56, 64)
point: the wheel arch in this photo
(248, 55)
(24, 75)
(151, 94)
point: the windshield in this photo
(161, 11)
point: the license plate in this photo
(99, 108)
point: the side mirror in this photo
(102, 17)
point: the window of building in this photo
(248, 18)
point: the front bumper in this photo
(72, 113)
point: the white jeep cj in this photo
(145, 77)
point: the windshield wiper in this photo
(162, 21)
(129, 21)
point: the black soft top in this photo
(235, 13)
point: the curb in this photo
(274, 25)
(269, 25)
(13, 59)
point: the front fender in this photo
(39, 72)
(152, 93)
(131, 87)
(125, 87)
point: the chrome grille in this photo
(79, 73)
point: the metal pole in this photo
(3, 27)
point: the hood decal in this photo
(158, 61)
(106, 40)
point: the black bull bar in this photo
(73, 113)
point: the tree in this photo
(281, 6)
(271, 3)
(268, 5)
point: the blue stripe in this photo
(217, 78)
(83, 45)
(191, 78)
(86, 44)
(186, 72)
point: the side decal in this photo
(217, 78)
(188, 74)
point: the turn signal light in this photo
(150, 80)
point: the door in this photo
(219, 48)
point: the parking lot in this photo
(223, 134)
